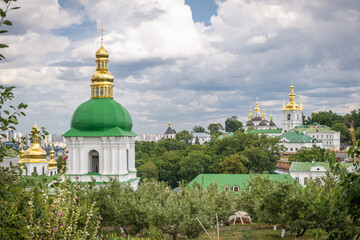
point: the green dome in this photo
(100, 117)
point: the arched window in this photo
(94, 161)
(289, 117)
(97, 92)
(305, 180)
(98, 65)
(227, 188)
(50, 173)
(236, 188)
(43, 170)
(127, 159)
(101, 92)
(102, 65)
(35, 169)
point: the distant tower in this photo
(52, 168)
(292, 113)
(249, 123)
(34, 158)
(169, 132)
(257, 114)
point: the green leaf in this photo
(3, 31)
(2, 13)
(3, 45)
(7, 22)
(7, 112)
(14, 8)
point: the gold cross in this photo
(102, 33)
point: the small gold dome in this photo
(102, 52)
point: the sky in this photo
(192, 62)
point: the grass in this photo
(254, 231)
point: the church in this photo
(258, 120)
(101, 142)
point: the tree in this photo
(344, 131)
(284, 203)
(234, 164)
(305, 154)
(324, 118)
(215, 128)
(233, 124)
(149, 170)
(183, 135)
(198, 129)
(192, 165)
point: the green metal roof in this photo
(259, 131)
(298, 137)
(100, 117)
(305, 166)
(232, 180)
(310, 129)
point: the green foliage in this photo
(12, 153)
(198, 129)
(215, 128)
(8, 117)
(233, 124)
(305, 154)
(283, 203)
(3, 15)
(149, 171)
(184, 135)
(234, 164)
(324, 118)
(155, 210)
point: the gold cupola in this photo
(35, 154)
(52, 163)
(263, 114)
(292, 105)
(250, 114)
(102, 80)
(21, 156)
(257, 108)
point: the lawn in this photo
(253, 231)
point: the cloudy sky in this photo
(191, 62)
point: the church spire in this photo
(257, 108)
(102, 80)
(263, 114)
(250, 114)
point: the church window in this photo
(296, 149)
(101, 92)
(98, 65)
(227, 188)
(97, 92)
(236, 188)
(51, 173)
(94, 161)
(297, 179)
(43, 170)
(291, 149)
(102, 65)
(35, 169)
(288, 117)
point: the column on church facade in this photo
(112, 156)
(106, 155)
(123, 167)
(74, 160)
(132, 156)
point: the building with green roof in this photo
(330, 138)
(303, 171)
(233, 182)
(101, 142)
(294, 140)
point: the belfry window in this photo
(288, 117)
(101, 92)
(102, 65)
(97, 92)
